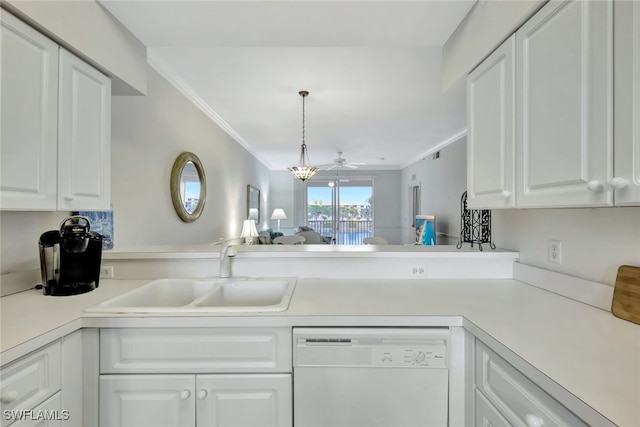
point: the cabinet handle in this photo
(533, 421)
(594, 186)
(618, 183)
(68, 198)
(9, 396)
(202, 394)
(505, 194)
(185, 394)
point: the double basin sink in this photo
(203, 296)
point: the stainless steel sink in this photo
(211, 295)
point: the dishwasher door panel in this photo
(370, 397)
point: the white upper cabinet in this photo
(491, 136)
(56, 124)
(626, 181)
(84, 136)
(565, 105)
(29, 117)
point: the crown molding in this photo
(438, 147)
(158, 64)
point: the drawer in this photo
(486, 414)
(47, 414)
(29, 381)
(519, 400)
(195, 350)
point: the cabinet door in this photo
(491, 138)
(29, 119)
(627, 103)
(260, 400)
(487, 415)
(84, 142)
(564, 105)
(147, 400)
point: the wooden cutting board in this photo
(626, 294)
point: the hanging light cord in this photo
(303, 170)
(303, 152)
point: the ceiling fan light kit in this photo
(303, 170)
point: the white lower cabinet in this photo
(251, 400)
(48, 414)
(486, 414)
(28, 382)
(195, 376)
(503, 390)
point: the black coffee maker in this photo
(70, 258)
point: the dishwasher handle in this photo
(324, 341)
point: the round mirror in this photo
(188, 187)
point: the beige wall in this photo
(147, 134)
(442, 182)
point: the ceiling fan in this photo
(342, 162)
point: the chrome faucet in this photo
(226, 253)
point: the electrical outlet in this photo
(554, 251)
(106, 272)
(418, 271)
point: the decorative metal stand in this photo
(475, 225)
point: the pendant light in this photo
(303, 171)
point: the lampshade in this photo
(249, 231)
(278, 213)
(303, 170)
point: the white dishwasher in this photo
(366, 377)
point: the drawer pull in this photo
(68, 198)
(505, 194)
(533, 421)
(618, 183)
(9, 396)
(202, 394)
(594, 186)
(185, 394)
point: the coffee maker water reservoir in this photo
(70, 258)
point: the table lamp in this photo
(278, 214)
(249, 231)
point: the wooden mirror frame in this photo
(176, 174)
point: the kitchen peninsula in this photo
(584, 358)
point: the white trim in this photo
(438, 147)
(156, 62)
(585, 291)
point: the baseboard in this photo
(585, 291)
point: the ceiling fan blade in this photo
(350, 166)
(332, 167)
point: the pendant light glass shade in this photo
(303, 170)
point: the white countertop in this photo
(585, 350)
(306, 251)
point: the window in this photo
(341, 208)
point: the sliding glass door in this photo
(341, 208)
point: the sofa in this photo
(312, 237)
(265, 237)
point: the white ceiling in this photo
(372, 69)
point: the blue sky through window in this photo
(348, 195)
